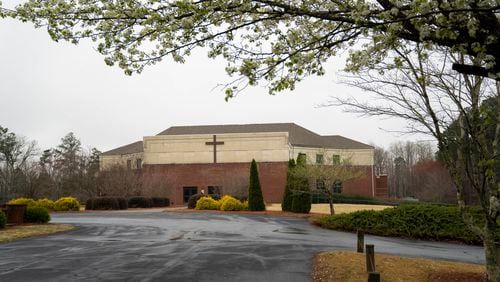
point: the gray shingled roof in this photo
(299, 136)
(131, 148)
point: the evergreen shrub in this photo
(140, 202)
(3, 219)
(36, 214)
(106, 203)
(301, 195)
(286, 203)
(255, 198)
(67, 204)
(159, 202)
(430, 222)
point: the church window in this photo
(336, 159)
(320, 184)
(337, 187)
(319, 158)
(129, 164)
(138, 163)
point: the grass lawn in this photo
(350, 267)
(339, 208)
(30, 230)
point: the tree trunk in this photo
(330, 201)
(492, 254)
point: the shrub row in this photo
(106, 203)
(349, 199)
(431, 222)
(62, 204)
(160, 202)
(227, 203)
(119, 203)
(3, 219)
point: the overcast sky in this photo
(48, 89)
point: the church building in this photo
(215, 159)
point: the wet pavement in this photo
(176, 246)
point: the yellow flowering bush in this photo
(67, 204)
(207, 203)
(22, 201)
(228, 203)
(45, 203)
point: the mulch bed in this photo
(457, 277)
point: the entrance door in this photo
(188, 192)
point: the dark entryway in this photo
(189, 191)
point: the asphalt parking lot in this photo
(177, 246)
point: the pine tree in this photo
(255, 199)
(301, 199)
(286, 204)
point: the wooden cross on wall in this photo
(215, 143)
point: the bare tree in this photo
(416, 83)
(380, 160)
(15, 154)
(327, 177)
(119, 181)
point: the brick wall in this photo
(233, 179)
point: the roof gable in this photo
(131, 148)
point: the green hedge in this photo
(36, 214)
(349, 199)
(106, 203)
(430, 222)
(3, 219)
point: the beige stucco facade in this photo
(107, 162)
(351, 156)
(237, 148)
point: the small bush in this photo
(245, 206)
(89, 204)
(45, 203)
(67, 204)
(106, 203)
(140, 202)
(3, 220)
(194, 198)
(22, 201)
(228, 203)
(413, 221)
(159, 202)
(36, 214)
(207, 203)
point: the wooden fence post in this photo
(370, 258)
(361, 240)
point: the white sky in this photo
(48, 89)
